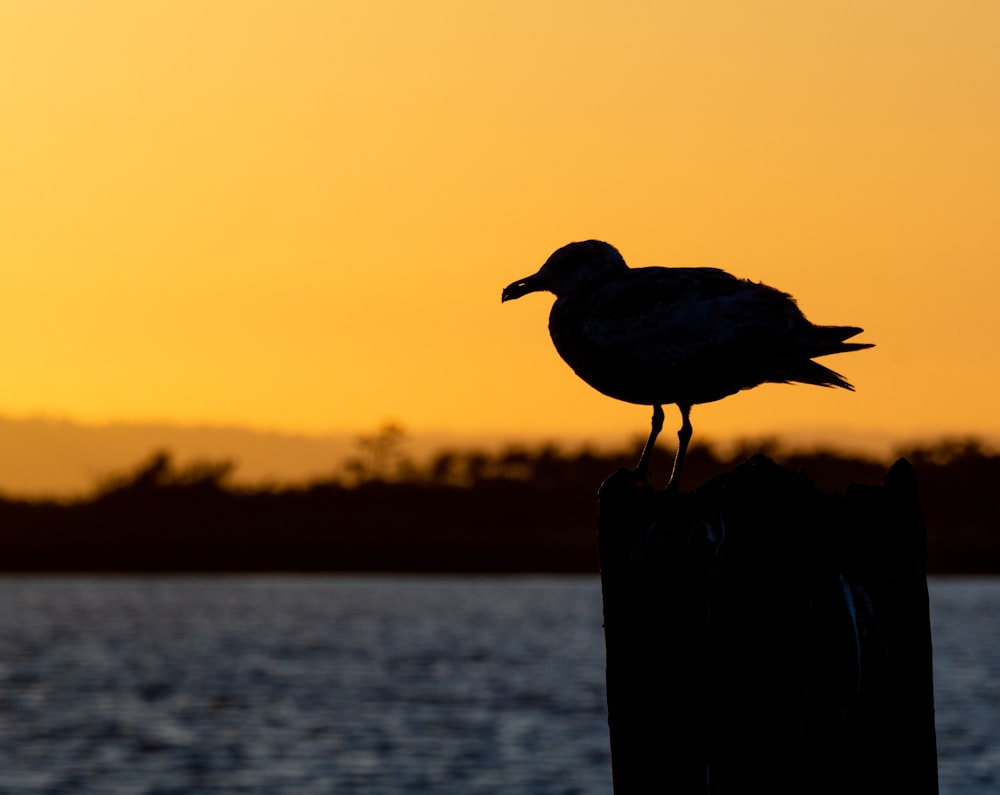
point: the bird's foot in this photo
(629, 479)
(638, 475)
(625, 484)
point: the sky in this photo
(299, 216)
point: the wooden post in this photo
(764, 636)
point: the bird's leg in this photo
(683, 438)
(642, 469)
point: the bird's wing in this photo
(671, 316)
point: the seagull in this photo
(654, 336)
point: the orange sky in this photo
(299, 215)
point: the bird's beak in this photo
(531, 284)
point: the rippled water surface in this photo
(965, 626)
(364, 685)
(302, 685)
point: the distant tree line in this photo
(516, 509)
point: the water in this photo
(365, 685)
(965, 628)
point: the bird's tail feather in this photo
(826, 340)
(822, 341)
(809, 372)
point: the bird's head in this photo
(573, 267)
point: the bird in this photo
(656, 336)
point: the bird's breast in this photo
(607, 359)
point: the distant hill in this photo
(52, 457)
(57, 457)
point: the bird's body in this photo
(689, 335)
(676, 335)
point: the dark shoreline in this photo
(519, 511)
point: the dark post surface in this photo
(764, 636)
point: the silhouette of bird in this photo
(676, 335)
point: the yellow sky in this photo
(299, 215)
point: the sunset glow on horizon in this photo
(300, 215)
